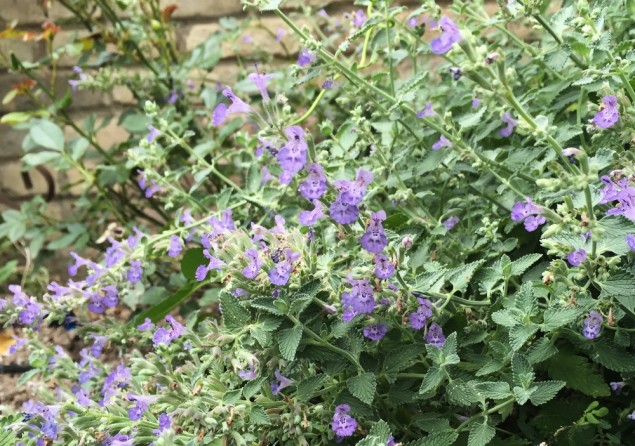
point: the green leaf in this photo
(159, 311)
(620, 286)
(434, 377)
(460, 393)
(472, 119)
(554, 318)
(614, 230)
(480, 434)
(401, 358)
(578, 373)
(191, 260)
(288, 342)
(522, 371)
(235, 316)
(266, 304)
(522, 264)
(493, 390)
(232, 396)
(308, 387)
(253, 387)
(363, 387)
(380, 429)
(505, 318)
(460, 277)
(7, 269)
(520, 334)
(270, 5)
(612, 356)
(39, 158)
(64, 241)
(437, 439)
(47, 134)
(545, 391)
(258, 416)
(541, 350)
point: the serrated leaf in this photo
(437, 439)
(308, 387)
(522, 371)
(505, 318)
(493, 390)
(522, 395)
(232, 396)
(519, 266)
(258, 416)
(620, 286)
(288, 342)
(480, 434)
(381, 430)
(545, 391)
(432, 379)
(460, 277)
(253, 387)
(578, 373)
(363, 387)
(612, 356)
(472, 119)
(520, 334)
(461, 393)
(541, 350)
(266, 304)
(554, 318)
(399, 359)
(235, 316)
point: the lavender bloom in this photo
(343, 424)
(427, 111)
(418, 319)
(79, 262)
(577, 257)
(360, 300)
(305, 58)
(29, 314)
(352, 192)
(98, 346)
(175, 247)
(511, 123)
(152, 135)
(592, 325)
(449, 36)
(260, 80)
(413, 22)
(282, 383)
(135, 273)
(149, 189)
(136, 412)
(328, 84)
(221, 112)
(165, 335)
(359, 18)
(133, 240)
(252, 268)
(530, 213)
(608, 114)
(315, 185)
(476, 102)
(630, 241)
(309, 218)
(343, 214)
(374, 239)
(280, 33)
(174, 96)
(391, 441)
(248, 375)
(442, 142)
(279, 275)
(533, 222)
(451, 222)
(622, 193)
(384, 269)
(617, 386)
(146, 325)
(435, 335)
(375, 332)
(17, 345)
(74, 83)
(165, 422)
(292, 156)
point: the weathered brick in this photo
(11, 147)
(29, 12)
(197, 9)
(12, 184)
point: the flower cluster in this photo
(528, 212)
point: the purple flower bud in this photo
(305, 58)
(260, 80)
(451, 222)
(309, 218)
(252, 268)
(165, 422)
(152, 135)
(375, 332)
(292, 156)
(175, 247)
(427, 111)
(511, 123)
(248, 375)
(135, 273)
(282, 383)
(476, 102)
(442, 142)
(146, 325)
(577, 257)
(359, 18)
(608, 114)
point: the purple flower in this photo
(17, 345)
(74, 83)
(617, 386)
(451, 222)
(282, 383)
(352, 192)
(281, 272)
(165, 335)
(375, 332)
(608, 114)
(174, 96)
(328, 84)
(530, 213)
(435, 335)
(384, 269)
(309, 218)
(175, 247)
(252, 268)
(135, 273)
(533, 222)
(592, 325)
(418, 319)
(260, 80)
(360, 300)
(622, 193)
(359, 18)
(146, 325)
(152, 135)
(29, 314)
(449, 36)
(630, 241)
(631, 416)
(391, 441)
(343, 424)
(511, 123)
(374, 239)
(442, 142)
(222, 111)
(343, 214)
(249, 374)
(427, 111)
(413, 22)
(292, 156)
(280, 33)
(164, 423)
(575, 258)
(315, 185)
(98, 346)
(476, 102)
(305, 58)
(136, 412)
